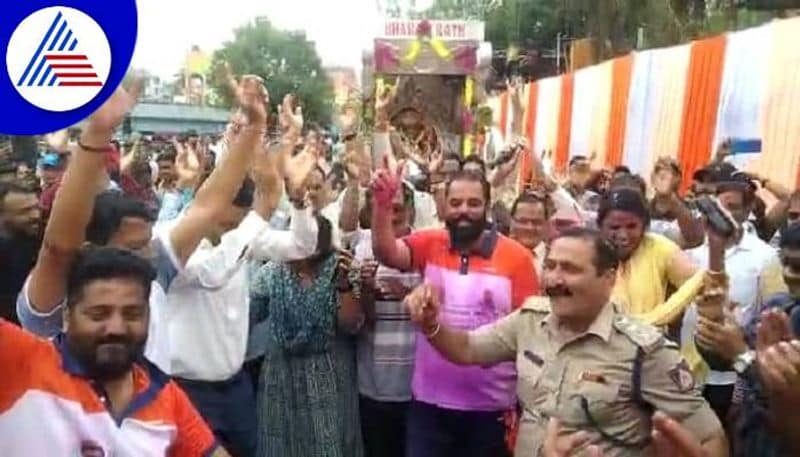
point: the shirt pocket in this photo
(530, 368)
(594, 402)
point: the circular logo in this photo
(58, 59)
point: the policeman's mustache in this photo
(557, 291)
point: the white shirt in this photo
(424, 216)
(668, 229)
(539, 252)
(744, 264)
(567, 208)
(208, 303)
(332, 213)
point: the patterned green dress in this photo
(308, 398)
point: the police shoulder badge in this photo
(682, 376)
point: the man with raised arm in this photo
(88, 391)
(484, 276)
(120, 222)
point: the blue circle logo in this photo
(62, 61)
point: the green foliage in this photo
(287, 62)
(614, 24)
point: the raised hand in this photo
(383, 98)
(774, 328)
(187, 166)
(348, 120)
(779, 367)
(723, 150)
(101, 124)
(435, 161)
(423, 305)
(725, 339)
(296, 171)
(353, 166)
(343, 267)
(385, 184)
(290, 117)
(368, 270)
(251, 97)
(664, 184)
(671, 439)
(778, 356)
(565, 446)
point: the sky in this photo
(341, 29)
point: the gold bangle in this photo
(435, 332)
(717, 275)
(715, 279)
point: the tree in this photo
(287, 62)
(613, 24)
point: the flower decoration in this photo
(386, 57)
(466, 56)
(424, 29)
(425, 37)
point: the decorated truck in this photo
(437, 67)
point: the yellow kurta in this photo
(641, 290)
(642, 281)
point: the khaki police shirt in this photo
(556, 370)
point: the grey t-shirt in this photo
(386, 346)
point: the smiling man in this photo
(483, 276)
(578, 359)
(98, 393)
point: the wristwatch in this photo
(743, 361)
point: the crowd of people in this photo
(269, 297)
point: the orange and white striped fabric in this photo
(679, 102)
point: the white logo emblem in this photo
(58, 58)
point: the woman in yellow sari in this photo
(651, 263)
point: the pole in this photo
(558, 52)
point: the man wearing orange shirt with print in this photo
(90, 391)
(483, 277)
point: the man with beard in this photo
(483, 276)
(112, 219)
(91, 386)
(20, 239)
(579, 360)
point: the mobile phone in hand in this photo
(718, 220)
(745, 146)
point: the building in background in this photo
(157, 118)
(157, 90)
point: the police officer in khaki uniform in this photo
(579, 360)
